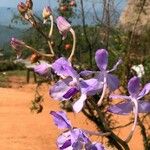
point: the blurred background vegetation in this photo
(122, 27)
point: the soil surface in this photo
(22, 129)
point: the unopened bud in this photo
(35, 58)
(72, 3)
(17, 45)
(22, 8)
(29, 4)
(46, 12)
(63, 26)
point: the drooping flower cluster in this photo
(72, 83)
(73, 138)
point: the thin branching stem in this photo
(37, 52)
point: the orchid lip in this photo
(70, 93)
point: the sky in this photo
(38, 4)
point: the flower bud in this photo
(46, 12)
(29, 4)
(63, 8)
(72, 3)
(35, 58)
(22, 8)
(68, 46)
(63, 26)
(17, 45)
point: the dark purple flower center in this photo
(70, 92)
(66, 144)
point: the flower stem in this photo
(37, 52)
(74, 44)
(96, 133)
(52, 25)
(135, 110)
(103, 93)
(50, 34)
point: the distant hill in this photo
(6, 32)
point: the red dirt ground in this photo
(22, 130)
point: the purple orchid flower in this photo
(71, 84)
(104, 75)
(133, 102)
(72, 138)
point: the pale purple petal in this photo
(144, 91)
(113, 96)
(61, 119)
(143, 106)
(91, 86)
(73, 139)
(62, 67)
(43, 69)
(71, 92)
(101, 58)
(64, 140)
(95, 146)
(134, 86)
(79, 135)
(78, 105)
(60, 89)
(121, 109)
(78, 145)
(112, 82)
(86, 73)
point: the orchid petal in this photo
(62, 67)
(43, 69)
(86, 73)
(66, 145)
(144, 91)
(112, 82)
(60, 89)
(143, 106)
(78, 145)
(134, 86)
(121, 109)
(101, 58)
(61, 119)
(64, 141)
(78, 105)
(95, 146)
(71, 92)
(79, 135)
(90, 86)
